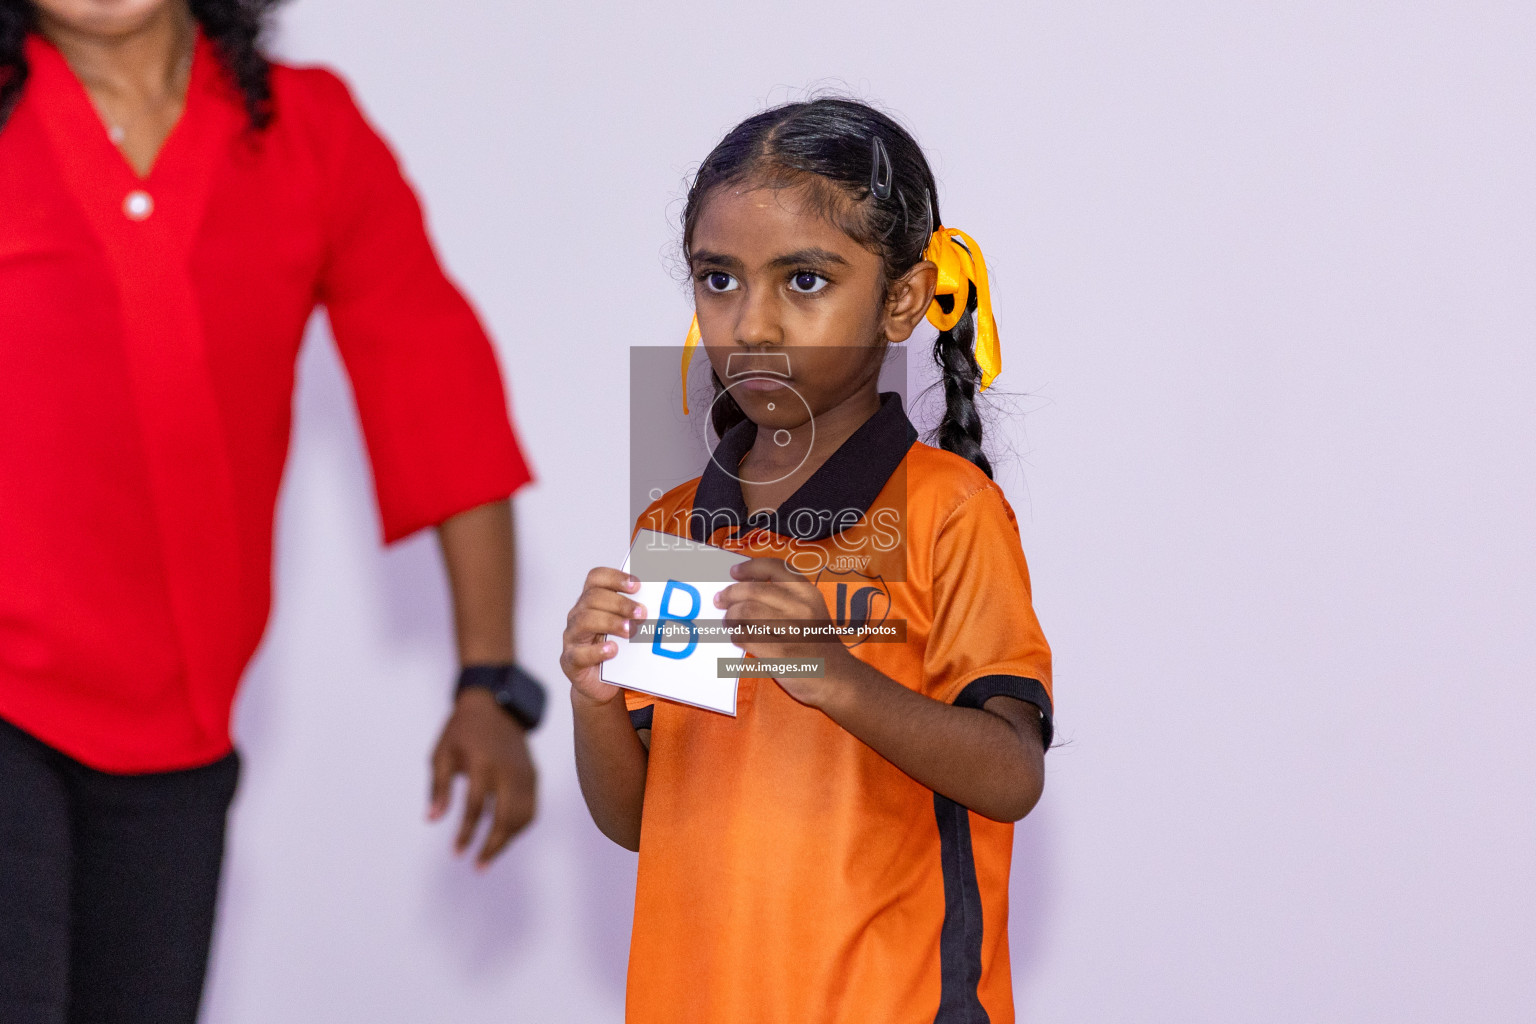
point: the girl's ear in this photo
(908, 299)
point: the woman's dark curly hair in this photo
(867, 173)
(235, 27)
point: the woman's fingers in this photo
(511, 813)
(444, 764)
(474, 806)
(501, 827)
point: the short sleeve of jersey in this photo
(641, 707)
(985, 641)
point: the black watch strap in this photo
(519, 694)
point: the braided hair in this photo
(235, 27)
(868, 175)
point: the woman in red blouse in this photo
(172, 209)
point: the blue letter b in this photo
(666, 615)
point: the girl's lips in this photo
(761, 384)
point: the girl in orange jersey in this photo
(839, 849)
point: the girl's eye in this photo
(807, 283)
(718, 281)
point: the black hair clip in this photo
(881, 172)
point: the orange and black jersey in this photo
(787, 871)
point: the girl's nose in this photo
(758, 323)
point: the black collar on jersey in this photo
(846, 483)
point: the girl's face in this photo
(772, 275)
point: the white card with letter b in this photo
(677, 655)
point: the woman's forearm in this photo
(990, 760)
(611, 766)
(480, 557)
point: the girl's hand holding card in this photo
(602, 610)
(768, 591)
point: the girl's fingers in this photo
(750, 611)
(611, 579)
(737, 593)
(766, 570)
(581, 667)
(587, 655)
(603, 600)
(590, 623)
(608, 601)
(795, 600)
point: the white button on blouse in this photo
(137, 205)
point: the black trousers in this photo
(107, 887)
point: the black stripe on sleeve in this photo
(960, 935)
(1031, 691)
(640, 718)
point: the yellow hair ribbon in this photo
(960, 265)
(689, 344)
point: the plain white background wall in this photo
(1266, 275)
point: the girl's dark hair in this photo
(235, 27)
(868, 175)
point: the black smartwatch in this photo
(519, 694)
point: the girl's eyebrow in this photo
(715, 259)
(813, 257)
(808, 257)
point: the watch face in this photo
(523, 697)
(518, 693)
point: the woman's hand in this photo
(767, 590)
(602, 609)
(481, 740)
(490, 748)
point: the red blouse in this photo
(148, 334)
